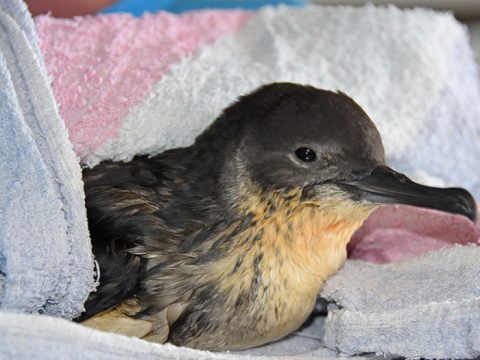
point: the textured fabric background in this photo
(412, 71)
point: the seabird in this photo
(225, 244)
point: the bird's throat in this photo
(302, 238)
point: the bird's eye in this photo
(305, 154)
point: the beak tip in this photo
(467, 204)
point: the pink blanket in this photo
(398, 232)
(103, 66)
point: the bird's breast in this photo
(278, 266)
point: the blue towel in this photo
(138, 7)
(46, 264)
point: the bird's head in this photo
(286, 137)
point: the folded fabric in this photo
(394, 233)
(102, 67)
(46, 264)
(426, 308)
(47, 338)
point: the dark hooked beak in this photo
(387, 186)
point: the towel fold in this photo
(45, 252)
(398, 232)
(425, 308)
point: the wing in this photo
(151, 221)
(124, 202)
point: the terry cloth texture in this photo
(400, 308)
(47, 338)
(46, 264)
(394, 233)
(412, 71)
(103, 66)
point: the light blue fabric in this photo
(138, 7)
(428, 307)
(45, 253)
